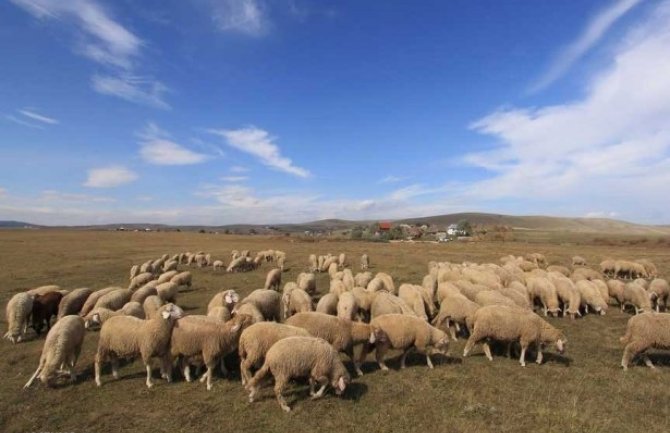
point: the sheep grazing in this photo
(342, 260)
(645, 331)
(210, 340)
(296, 301)
(414, 297)
(457, 309)
(73, 302)
(560, 269)
(328, 304)
(43, 290)
(151, 305)
(362, 279)
(257, 339)
(388, 282)
(342, 334)
(313, 263)
(616, 290)
(168, 291)
(273, 280)
(61, 349)
(660, 290)
(402, 332)
(237, 264)
(635, 296)
(386, 303)
(126, 337)
(545, 291)
(19, 309)
(591, 297)
(44, 308)
(143, 293)
(578, 261)
(170, 266)
(297, 357)
(649, 267)
(225, 299)
(307, 282)
(182, 279)
(140, 280)
(218, 264)
(100, 315)
(93, 299)
(260, 304)
(134, 271)
(607, 267)
(115, 299)
(365, 262)
(347, 308)
(166, 276)
(511, 324)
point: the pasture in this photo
(583, 391)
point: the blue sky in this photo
(270, 111)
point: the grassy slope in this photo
(585, 392)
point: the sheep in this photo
(342, 334)
(649, 267)
(201, 260)
(332, 269)
(19, 309)
(608, 267)
(388, 282)
(328, 304)
(365, 262)
(146, 267)
(220, 313)
(414, 297)
(143, 293)
(218, 264)
(641, 281)
(375, 284)
(166, 276)
(151, 305)
(493, 297)
(616, 290)
(386, 303)
(475, 276)
(516, 297)
(578, 261)
(100, 315)
(342, 260)
(445, 289)
(568, 294)
(457, 309)
(273, 280)
(167, 291)
(319, 263)
(226, 299)
(256, 340)
(61, 349)
(140, 280)
(44, 308)
(93, 299)
(545, 291)
(362, 279)
(296, 301)
(645, 331)
(468, 289)
(295, 357)
(126, 336)
(194, 337)
(73, 302)
(363, 300)
(636, 296)
(115, 299)
(347, 307)
(236, 264)
(537, 258)
(307, 282)
(405, 333)
(348, 279)
(512, 324)
(660, 290)
(134, 271)
(560, 269)
(629, 270)
(337, 287)
(520, 288)
(170, 266)
(280, 262)
(591, 296)
(266, 302)
(313, 263)
(182, 279)
(43, 290)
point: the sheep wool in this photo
(19, 308)
(73, 302)
(645, 331)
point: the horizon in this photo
(224, 112)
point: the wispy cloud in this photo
(238, 169)
(594, 31)
(156, 147)
(39, 117)
(109, 177)
(391, 179)
(601, 214)
(610, 146)
(134, 89)
(234, 178)
(260, 144)
(241, 16)
(14, 119)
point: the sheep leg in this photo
(647, 361)
(245, 372)
(487, 350)
(403, 358)
(166, 368)
(509, 349)
(323, 381)
(149, 381)
(472, 340)
(380, 351)
(522, 358)
(357, 364)
(32, 378)
(279, 387)
(428, 361)
(208, 375)
(539, 357)
(96, 366)
(629, 353)
(115, 366)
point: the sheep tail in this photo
(258, 377)
(626, 338)
(32, 378)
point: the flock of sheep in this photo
(292, 331)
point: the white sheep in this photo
(267, 303)
(386, 303)
(296, 301)
(182, 279)
(73, 302)
(151, 305)
(342, 260)
(126, 336)
(273, 280)
(328, 304)
(61, 349)
(313, 263)
(660, 290)
(362, 279)
(402, 332)
(100, 315)
(637, 297)
(645, 331)
(114, 300)
(591, 296)
(43, 290)
(141, 280)
(616, 290)
(365, 262)
(168, 291)
(414, 297)
(455, 309)
(218, 264)
(226, 299)
(166, 276)
(296, 357)
(19, 309)
(143, 293)
(511, 324)
(347, 308)
(134, 271)
(307, 282)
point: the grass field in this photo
(584, 391)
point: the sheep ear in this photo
(165, 314)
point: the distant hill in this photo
(533, 222)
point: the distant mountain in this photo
(16, 225)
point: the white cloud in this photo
(238, 169)
(14, 119)
(391, 179)
(109, 177)
(601, 214)
(106, 41)
(157, 148)
(610, 146)
(260, 144)
(139, 90)
(39, 117)
(594, 31)
(234, 178)
(241, 16)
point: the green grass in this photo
(585, 391)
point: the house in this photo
(384, 226)
(453, 230)
(441, 236)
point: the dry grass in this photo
(584, 392)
